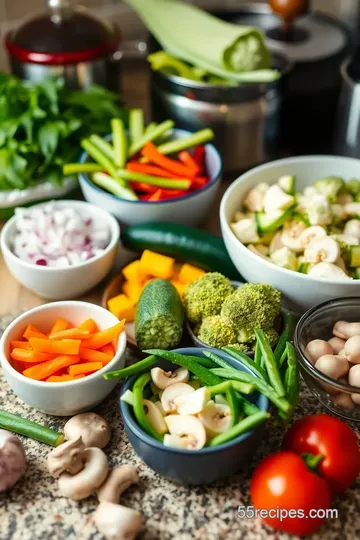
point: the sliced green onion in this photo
(119, 140)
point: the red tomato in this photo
(283, 482)
(329, 436)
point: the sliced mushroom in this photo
(189, 429)
(312, 233)
(352, 227)
(154, 416)
(325, 270)
(118, 522)
(352, 208)
(160, 407)
(346, 330)
(118, 481)
(92, 428)
(162, 379)
(246, 230)
(336, 344)
(192, 403)
(254, 200)
(12, 460)
(317, 348)
(290, 236)
(89, 479)
(322, 250)
(216, 418)
(172, 392)
(347, 239)
(175, 441)
(276, 242)
(69, 457)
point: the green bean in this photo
(206, 362)
(243, 388)
(246, 405)
(131, 370)
(119, 140)
(292, 378)
(258, 355)
(22, 426)
(138, 392)
(217, 360)
(233, 403)
(246, 361)
(270, 363)
(283, 358)
(243, 426)
(285, 336)
(220, 388)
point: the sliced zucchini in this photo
(303, 268)
(354, 256)
(357, 273)
(302, 217)
(287, 184)
(267, 223)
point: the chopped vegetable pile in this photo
(42, 125)
(223, 316)
(65, 353)
(316, 232)
(50, 235)
(131, 167)
(202, 403)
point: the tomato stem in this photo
(312, 460)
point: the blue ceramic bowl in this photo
(189, 210)
(191, 467)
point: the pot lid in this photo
(62, 35)
(317, 36)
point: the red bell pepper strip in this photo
(199, 156)
(152, 170)
(199, 182)
(151, 152)
(187, 159)
(145, 188)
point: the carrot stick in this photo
(64, 378)
(46, 369)
(71, 333)
(24, 355)
(103, 338)
(81, 369)
(32, 331)
(59, 325)
(141, 186)
(91, 355)
(187, 159)
(152, 170)
(65, 346)
(156, 196)
(151, 152)
(20, 345)
(199, 156)
(90, 325)
(108, 349)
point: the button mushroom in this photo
(337, 344)
(171, 392)
(117, 522)
(352, 350)
(154, 416)
(118, 481)
(317, 348)
(162, 379)
(12, 460)
(192, 403)
(89, 479)
(332, 366)
(346, 330)
(68, 457)
(188, 431)
(92, 428)
(216, 418)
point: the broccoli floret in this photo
(217, 331)
(205, 296)
(329, 187)
(353, 187)
(271, 335)
(240, 347)
(253, 305)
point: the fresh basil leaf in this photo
(48, 137)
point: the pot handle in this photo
(132, 49)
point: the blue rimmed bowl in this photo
(190, 209)
(194, 467)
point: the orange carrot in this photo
(64, 378)
(20, 345)
(31, 331)
(151, 152)
(108, 349)
(156, 196)
(71, 333)
(24, 355)
(64, 346)
(81, 369)
(151, 170)
(46, 369)
(187, 159)
(59, 325)
(90, 325)
(100, 339)
(91, 355)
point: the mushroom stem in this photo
(118, 481)
(117, 522)
(68, 457)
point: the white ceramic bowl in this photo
(64, 398)
(300, 291)
(188, 210)
(63, 283)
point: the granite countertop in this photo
(35, 510)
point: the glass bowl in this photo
(317, 323)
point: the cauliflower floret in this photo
(319, 210)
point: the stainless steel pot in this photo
(245, 118)
(347, 132)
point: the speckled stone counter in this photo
(35, 510)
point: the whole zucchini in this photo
(183, 243)
(159, 316)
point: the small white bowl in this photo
(63, 398)
(69, 282)
(188, 210)
(300, 290)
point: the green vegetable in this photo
(104, 146)
(233, 403)
(270, 363)
(161, 61)
(242, 387)
(42, 125)
(113, 186)
(131, 370)
(136, 125)
(329, 187)
(100, 157)
(195, 139)
(220, 388)
(216, 331)
(354, 256)
(206, 362)
(218, 360)
(170, 183)
(119, 140)
(128, 397)
(287, 184)
(304, 268)
(243, 426)
(246, 361)
(205, 296)
(357, 273)
(151, 135)
(75, 168)
(267, 223)
(258, 355)
(285, 336)
(139, 412)
(159, 316)
(292, 377)
(17, 424)
(189, 33)
(150, 127)
(353, 187)
(184, 243)
(246, 405)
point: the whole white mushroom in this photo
(12, 459)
